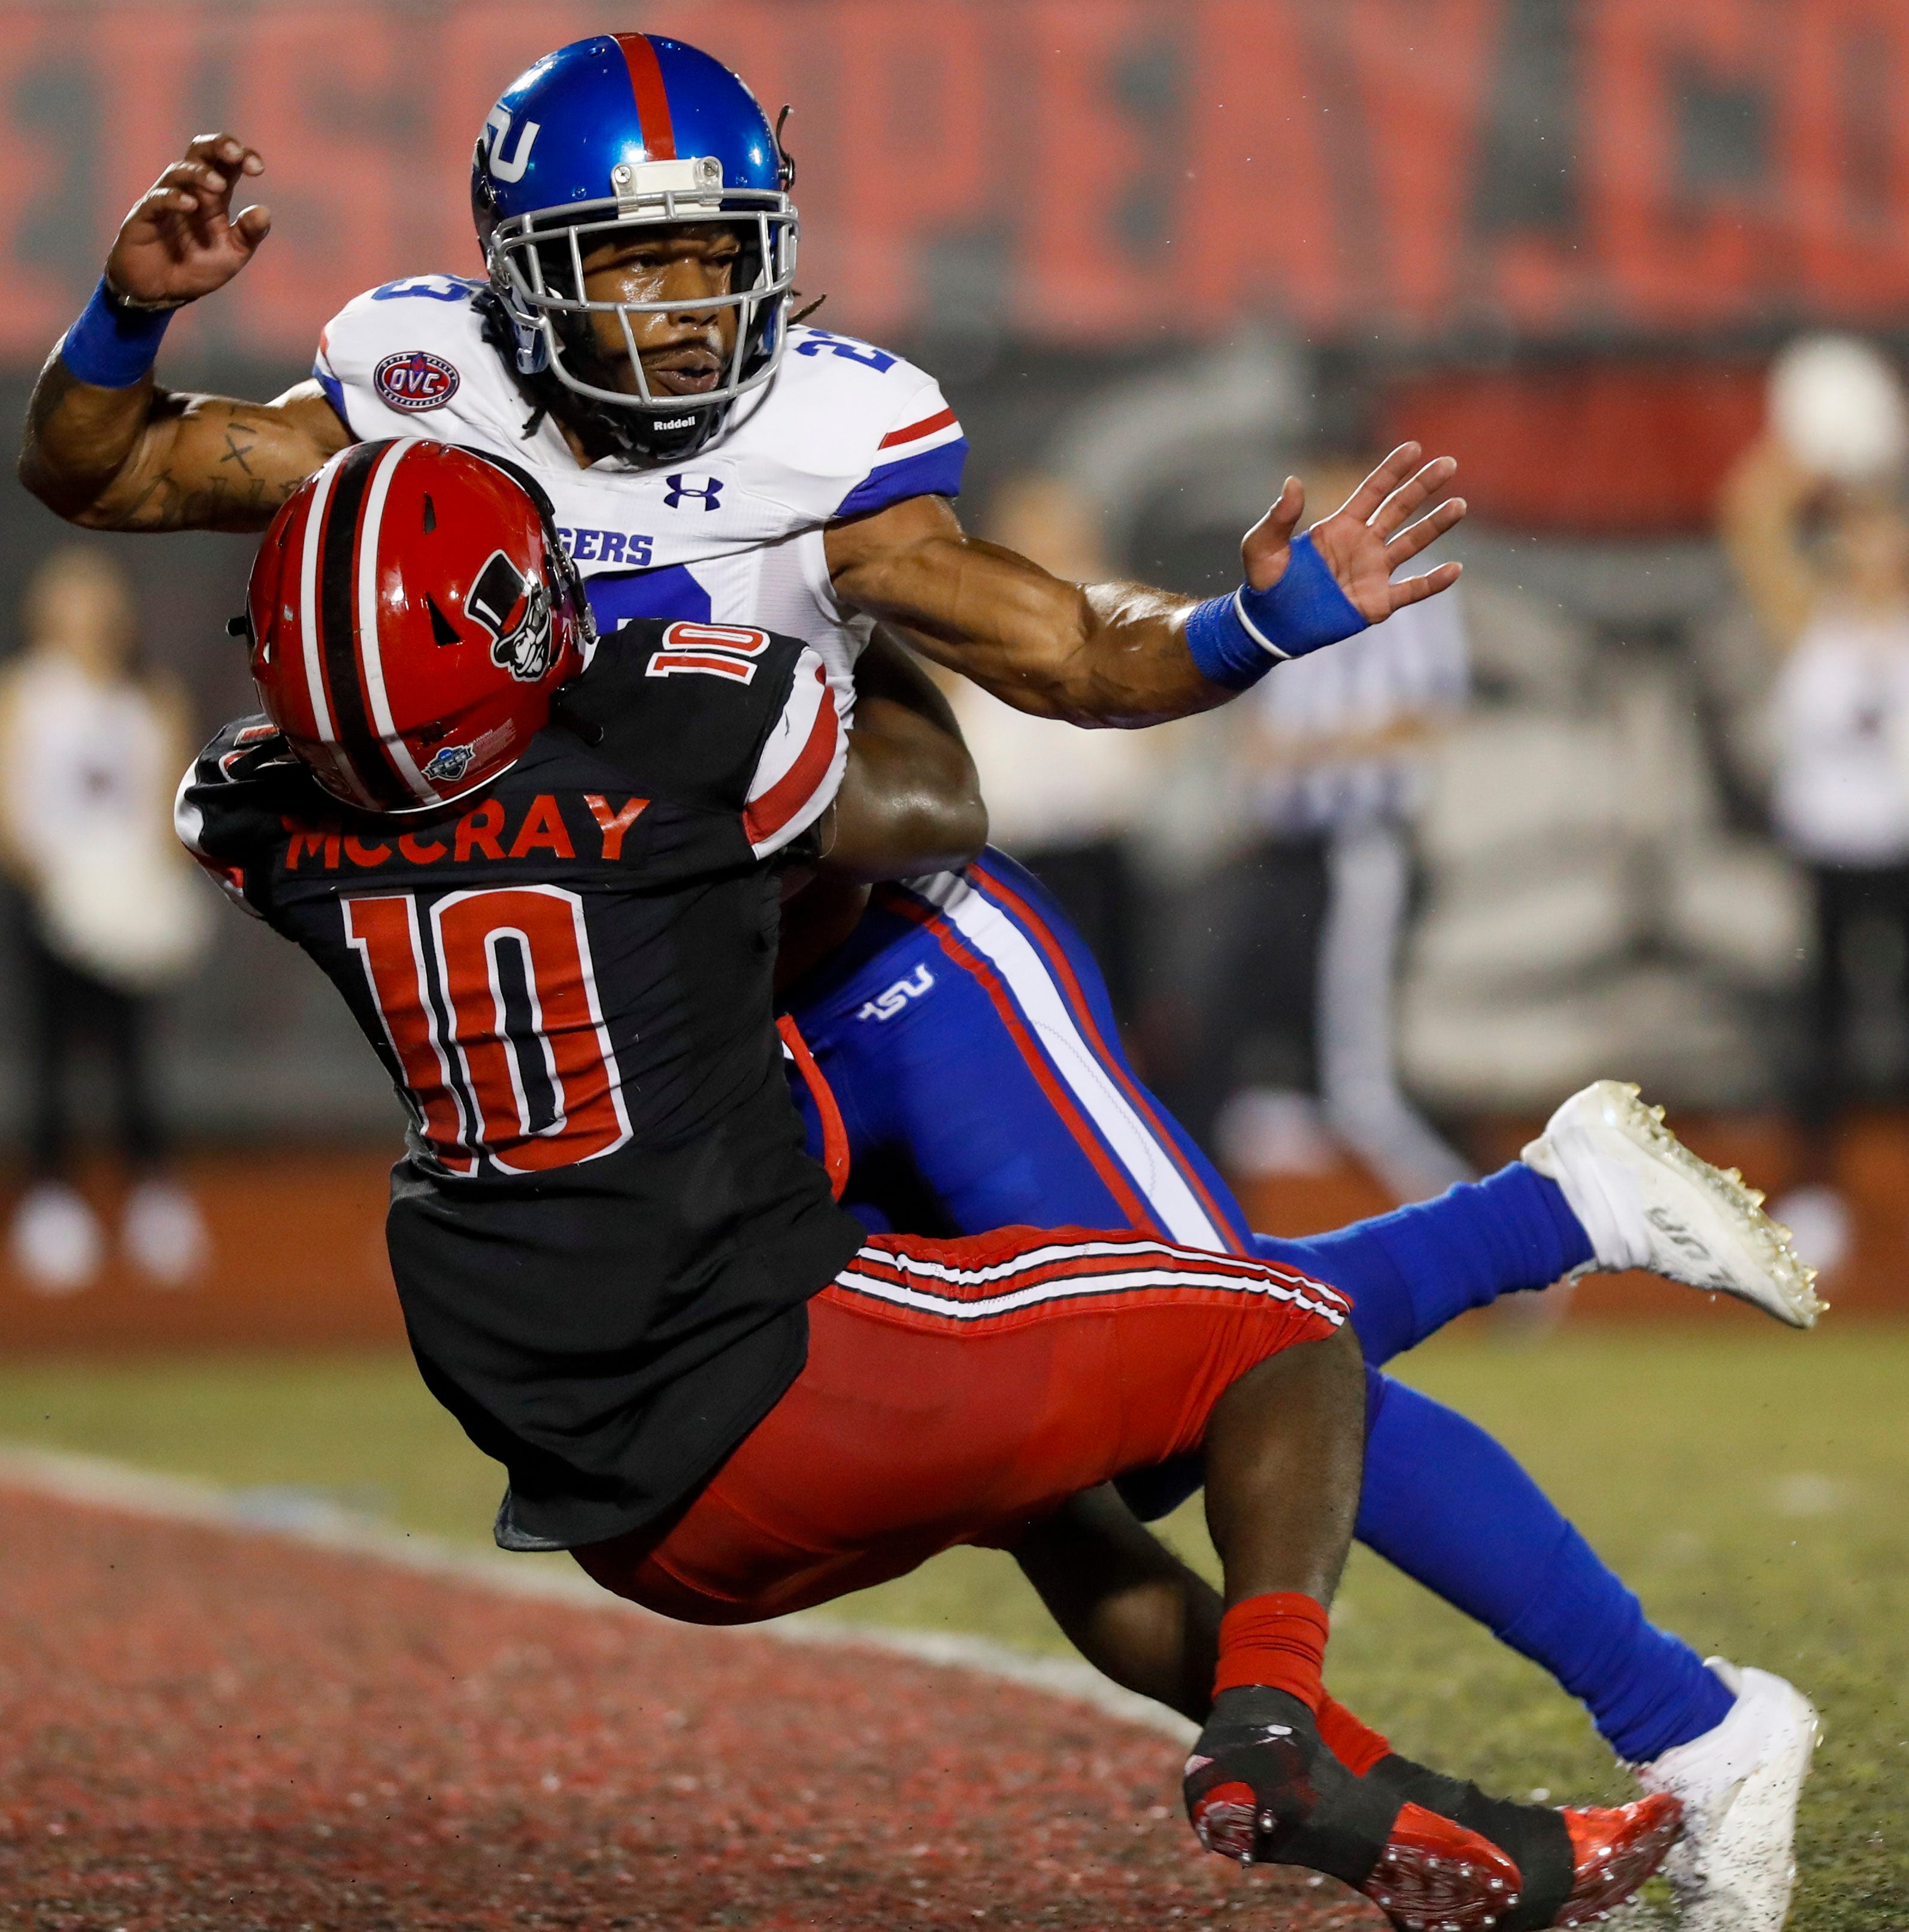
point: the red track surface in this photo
(200, 1729)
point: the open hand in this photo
(182, 241)
(1368, 537)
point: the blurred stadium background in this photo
(1160, 255)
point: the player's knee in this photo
(1341, 1358)
(1331, 1360)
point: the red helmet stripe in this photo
(653, 100)
(370, 651)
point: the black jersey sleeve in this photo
(230, 806)
(717, 716)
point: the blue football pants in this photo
(966, 1038)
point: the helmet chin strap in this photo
(641, 439)
(635, 430)
(605, 429)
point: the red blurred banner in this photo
(1413, 172)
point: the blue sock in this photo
(1410, 1272)
(1447, 1505)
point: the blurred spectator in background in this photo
(1814, 521)
(1062, 801)
(1275, 834)
(91, 749)
(1310, 918)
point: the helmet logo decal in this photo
(415, 379)
(497, 123)
(449, 763)
(516, 612)
(709, 492)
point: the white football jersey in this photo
(735, 535)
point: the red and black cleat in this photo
(1612, 1853)
(1434, 1854)
(1261, 1787)
(1434, 1875)
(1577, 1866)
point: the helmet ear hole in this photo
(443, 631)
(431, 516)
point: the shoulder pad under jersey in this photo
(411, 358)
(721, 717)
(846, 428)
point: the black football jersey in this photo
(605, 1227)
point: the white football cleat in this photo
(1734, 1869)
(1646, 1201)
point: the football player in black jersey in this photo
(543, 871)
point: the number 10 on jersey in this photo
(524, 1075)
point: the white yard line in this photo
(296, 1517)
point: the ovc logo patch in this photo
(415, 379)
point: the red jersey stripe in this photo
(764, 817)
(926, 427)
(653, 100)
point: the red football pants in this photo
(956, 1392)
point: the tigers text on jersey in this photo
(606, 1227)
(735, 535)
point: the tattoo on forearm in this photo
(236, 452)
(218, 476)
(218, 503)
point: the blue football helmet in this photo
(621, 132)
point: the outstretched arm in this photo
(1119, 653)
(133, 456)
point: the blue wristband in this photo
(111, 346)
(1236, 640)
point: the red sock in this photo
(1357, 1746)
(1278, 1640)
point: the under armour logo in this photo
(680, 486)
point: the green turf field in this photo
(1754, 1490)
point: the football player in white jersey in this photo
(711, 460)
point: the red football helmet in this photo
(412, 612)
